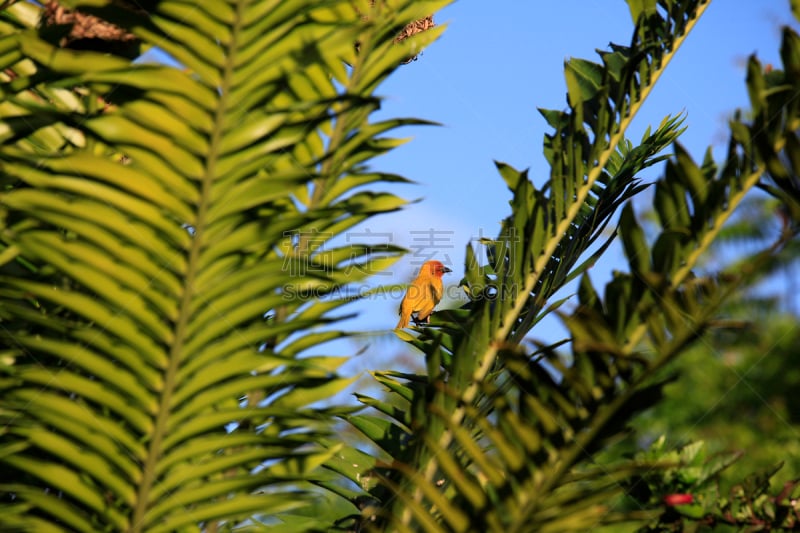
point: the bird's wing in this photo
(427, 302)
(437, 289)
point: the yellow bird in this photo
(423, 294)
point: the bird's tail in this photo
(404, 319)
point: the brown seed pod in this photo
(89, 32)
(412, 28)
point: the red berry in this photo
(678, 499)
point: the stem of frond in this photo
(176, 352)
(488, 359)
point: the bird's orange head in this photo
(434, 269)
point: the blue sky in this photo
(484, 80)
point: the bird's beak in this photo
(446, 270)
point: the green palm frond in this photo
(169, 249)
(498, 435)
